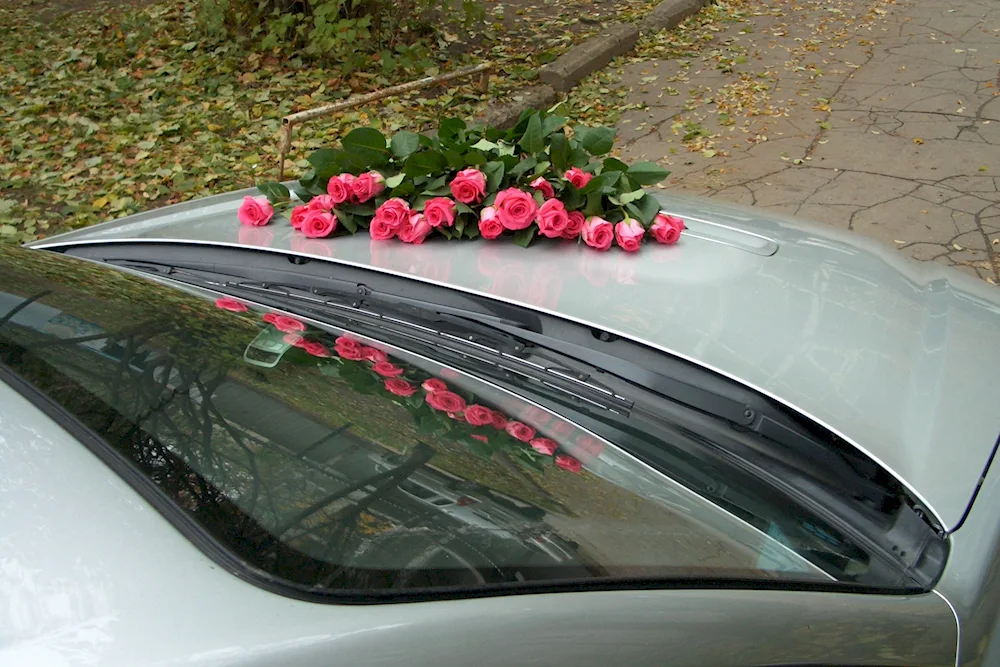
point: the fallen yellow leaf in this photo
(918, 140)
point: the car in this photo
(770, 443)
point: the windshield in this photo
(341, 465)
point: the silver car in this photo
(769, 444)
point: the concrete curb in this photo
(587, 57)
(506, 115)
(669, 14)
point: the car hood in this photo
(897, 357)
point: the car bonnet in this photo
(895, 356)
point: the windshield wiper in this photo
(462, 339)
(491, 332)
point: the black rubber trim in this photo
(979, 485)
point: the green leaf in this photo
(471, 231)
(648, 207)
(596, 140)
(630, 197)
(346, 219)
(533, 141)
(455, 159)
(552, 123)
(522, 166)
(480, 448)
(451, 130)
(559, 152)
(613, 164)
(594, 205)
(302, 193)
(475, 159)
(424, 163)
(394, 181)
(405, 144)
(524, 237)
(326, 163)
(647, 173)
(459, 226)
(494, 175)
(484, 145)
(464, 208)
(572, 197)
(601, 183)
(366, 146)
(579, 157)
(276, 193)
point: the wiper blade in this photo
(462, 339)
(477, 327)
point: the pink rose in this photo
(598, 233)
(478, 415)
(520, 431)
(439, 212)
(322, 203)
(552, 219)
(499, 422)
(349, 353)
(575, 226)
(544, 187)
(516, 209)
(318, 224)
(367, 185)
(667, 228)
(445, 401)
(315, 348)
(373, 355)
(545, 446)
(380, 230)
(226, 303)
(480, 438)
(283, 323)
(387, 369)
(344, 341)
(629, 234)
(578, 177)
(561, 428)
(433, 384)
(258, 236)
(415, 230)
(339, 188)
(400, 387)
(489, 223)
(301, 244)
(567, 462)
(393, 213)
(469, 186)
(590, 446)
(255, 211)
(297, 216)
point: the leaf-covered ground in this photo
(110, 110)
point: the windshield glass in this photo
(339, 464)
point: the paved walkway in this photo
(880, 117)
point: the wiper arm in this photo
(462, 339)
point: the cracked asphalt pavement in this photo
(875, 116)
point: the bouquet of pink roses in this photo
(535, 179)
